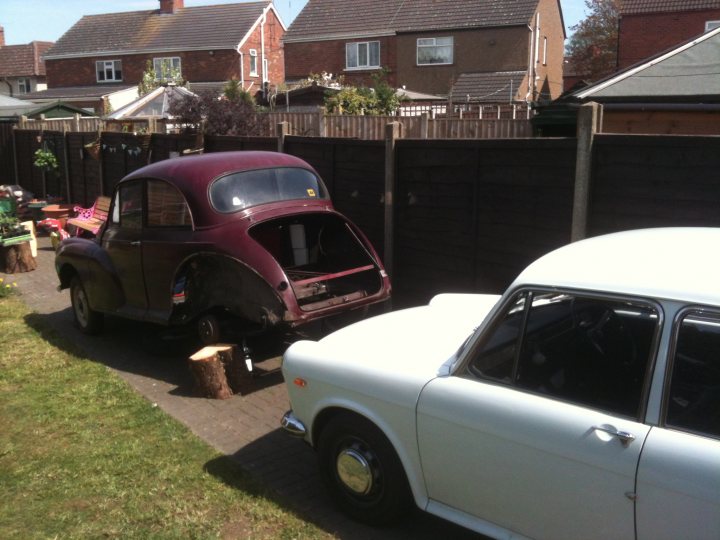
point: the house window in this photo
(711, 25)
(253, 62)
(362, 55)
(24, 86)
(266, 75)
(108, 70)
(167, 69)
(434, 51)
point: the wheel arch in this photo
(407, 454)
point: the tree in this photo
(217, 114)
(234, 92)
(592, 48)
(380, 99)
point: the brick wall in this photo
(301, 59)
(642, 36)
(273, 54)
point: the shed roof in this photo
(487, 87)
(192, 28)
(632, 7)
(23, 60)
(75, 92)
(325, 19)
(688, 72)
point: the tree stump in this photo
(236, 370)
(208, 371)
(17, 258)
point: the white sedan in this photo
(582, 403)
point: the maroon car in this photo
(237, 240)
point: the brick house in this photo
(205, 45)
(506, 50)
(21, 67)
(648, 27)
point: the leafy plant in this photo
(380, 99)
(11, 227)
(45, 160)
(215, 115)
(236, 93)
(7, 289)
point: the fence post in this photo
(392, 133)
(322, 128)
(15, 156)
(283, 129)
(588, 123)
(424, 121)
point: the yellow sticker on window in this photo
(311, 192)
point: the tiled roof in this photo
(488, 87)
(203, 27)
(628, 7)
(329, 18)
(23, 60)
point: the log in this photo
(236, 370)
(208, 371)
(17, 258)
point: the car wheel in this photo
(209, 329)
(362, 470)
(87, 319)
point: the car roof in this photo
(193, 174)
(665, 263)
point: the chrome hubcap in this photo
(354, 471)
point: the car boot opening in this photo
(324, 259)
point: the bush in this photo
(216, 115)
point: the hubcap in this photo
(80, 307)
(354, 471)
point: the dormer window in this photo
(362, 55)
(108, 70)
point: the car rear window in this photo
(241, 190)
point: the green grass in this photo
(83, 456)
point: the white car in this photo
(585, 402)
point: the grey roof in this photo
(324, 19)
(629, 7)
(203, 27)
(70, 92)
(487, 87)
(689, 72)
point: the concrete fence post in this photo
(588, 123)
(424, 123)
(392, 133)
(283, 130)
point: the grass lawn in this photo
(83, 456)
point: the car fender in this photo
(89, 261)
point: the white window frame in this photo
(711, 25)
(266, 76)
(353, 54)
(24, 85)
(544, 61)
(113, 68)
(253, 62)
(161, 62)
(432, 43)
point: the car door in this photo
(679, 472)
(122, 241)
(537, 431)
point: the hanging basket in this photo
(93, 149)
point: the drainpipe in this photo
(530, 71)
(262, 51)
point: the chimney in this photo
(171, 6)
(2, 36)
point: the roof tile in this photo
(489, 87)
(630, 7)
(23, 60)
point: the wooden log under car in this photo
(208, 371)
(17, 258)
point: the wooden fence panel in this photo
(63, 124)
(224, 143)
(166, 146)
(42, 183)
(654, 181)
(83, 169)
(7, 154)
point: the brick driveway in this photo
(243, 427)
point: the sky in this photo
(46, 20)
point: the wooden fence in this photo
(317, 124)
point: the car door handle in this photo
(625, 437)
(136, 243)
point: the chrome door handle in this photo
(625, 437)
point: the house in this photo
(430, 45)
(648, 27)
(673, 92)
(21, 67)
(204, 45)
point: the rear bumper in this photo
(292, 425)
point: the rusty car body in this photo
(240, 240)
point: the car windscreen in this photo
(240, 190)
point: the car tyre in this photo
(209, 329)
(362, 470)
(87, 319)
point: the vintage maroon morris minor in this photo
(237, 240)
